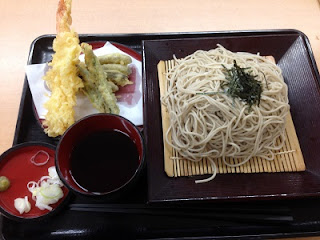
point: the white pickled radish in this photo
(22, 205)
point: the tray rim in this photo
(311, 232)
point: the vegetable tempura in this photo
(96, 87)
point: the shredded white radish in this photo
(54, 178)
(47, 194)
(47, 190)
(31, 185)
(33, 158)
(42, 179)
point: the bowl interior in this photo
(80, 131)
(15, 164)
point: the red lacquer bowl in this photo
(80, 131)
(15, 164)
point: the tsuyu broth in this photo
(104, 161)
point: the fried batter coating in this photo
(99, 91)
(124, 69)
(62, 78)
(114, 87)
(115, 58)
(89, 85)
(117, 77)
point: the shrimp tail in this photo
(63, 16)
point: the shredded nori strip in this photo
(242, 84)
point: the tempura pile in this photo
(100, 76)
(62, 78)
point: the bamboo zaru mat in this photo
(288, 159)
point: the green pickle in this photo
(4, 183)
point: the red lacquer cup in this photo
(85, 128)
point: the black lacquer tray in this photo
(68, 224)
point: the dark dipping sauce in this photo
(104, 161)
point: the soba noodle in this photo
(207, 123)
